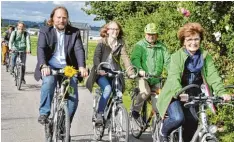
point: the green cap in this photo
(151, 29)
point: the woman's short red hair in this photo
(190, 29)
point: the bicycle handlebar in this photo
(206, 99)
(186, 88)
(61, 72)
(114, 71)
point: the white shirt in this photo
(58, 60)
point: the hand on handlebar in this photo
(83, 72)
(45, 70)
(101, 72)
(142, 73)
(184, 97)
(226, 97)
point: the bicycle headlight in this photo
(213, 129)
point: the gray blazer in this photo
(47, 43)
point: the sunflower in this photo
(70, 71)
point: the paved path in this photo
(19, 111)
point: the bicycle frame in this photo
(114, 100)
(19, 57)
(203, 128)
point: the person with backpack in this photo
(19, 41)
(5, 48)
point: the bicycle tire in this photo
(7, 67)
(7, 63)
(135, 127)
(174, 137)
(209, 138)
(64, 124)
(48, 133)
(19, 76)
(98, 130)
(155, 127)
(15, 74)
(124, 125)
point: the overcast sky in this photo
(39, 11)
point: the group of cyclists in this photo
(16, 40)
(60, 44)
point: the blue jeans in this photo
(105, 84)
(47, 92)
(13, 61)
(177, 116)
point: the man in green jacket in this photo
(149, 56)
(19, 41)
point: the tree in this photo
(113, 10)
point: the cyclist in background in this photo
(5, 46)
(149, 56)
(19, 41)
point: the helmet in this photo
(151, 29)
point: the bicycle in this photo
(205, 132)
(57, 126)
(115, 114)
(18, 70)
(140, 125)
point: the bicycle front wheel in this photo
(63, 124)
(119, 130)
(15, 74)
(135, 125)
(7, 62)
(19, 76)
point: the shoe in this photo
(12, 71)
(42, 119)
(135, 114)
(23, 81)
(99, 118)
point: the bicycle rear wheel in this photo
(19, 76)
(119, 129)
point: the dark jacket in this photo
(101, 54)
(7, 36)
(47, 43)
